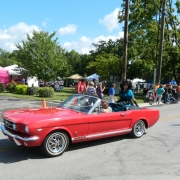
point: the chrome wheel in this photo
(138, 129)
(55, 144)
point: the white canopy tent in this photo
(13, 70)
(15, 73)
(93, 76)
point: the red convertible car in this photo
(77, 119)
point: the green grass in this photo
(59, 96)
(62, 95)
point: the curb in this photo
(148, 105)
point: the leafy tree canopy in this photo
(41, 56)
(6, 59)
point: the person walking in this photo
(91, 90)
(166, 94)
(159, 92)
(178, 93)
(112, 93)
(100, 90)
(80, 87)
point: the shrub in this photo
(21, 89)
(32, 90)
(11, 86)
(2, 87)
(46, 92)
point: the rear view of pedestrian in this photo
(100, 90)
(112, 93)
(159, 92)
(91, 90)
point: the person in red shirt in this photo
(81, 86)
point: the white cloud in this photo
(111, 20)
(81, 46)
(44, 23)
(15, 34)
(69, 29)
(84, 45)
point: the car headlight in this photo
(2, 121)
(27, 129)
(14, 126)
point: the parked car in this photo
(41, 83)
(77, 119)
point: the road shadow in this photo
(175, 124)
(92, 143)
(14, 99)
(10, 153)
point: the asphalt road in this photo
(154, 156)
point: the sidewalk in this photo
(148, 105)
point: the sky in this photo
(78, 23)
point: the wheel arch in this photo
(145, 122)
(59, 129)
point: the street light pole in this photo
(161, 42)
(124, 61)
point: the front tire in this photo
(138, 129)
(55, 144)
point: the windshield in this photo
(81, 103)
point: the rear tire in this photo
(55, 144)
(138, 129)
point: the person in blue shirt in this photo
(159, 91)
(126, 94)
(112, 93)
(23, 81)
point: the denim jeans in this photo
(166, 98)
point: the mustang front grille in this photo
(9, 124)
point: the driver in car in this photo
(105, 108)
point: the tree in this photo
(144, 33)
(108, 58)
(6, 59)
(41, 56)
(106, 65)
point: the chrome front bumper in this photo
(6, 132)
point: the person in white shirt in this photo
(105, 107)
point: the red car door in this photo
(109, 124)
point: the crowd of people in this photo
(166, 93)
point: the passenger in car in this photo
(105, 108)
(126, 94)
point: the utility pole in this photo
(124, 61)
(161, 42)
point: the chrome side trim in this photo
(102, 134)
(109, 133)
(6, 132)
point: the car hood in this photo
(29, 115)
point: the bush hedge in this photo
(21, 89)
(2, 87)
(11, 87)
(32, 90)
(46, 92)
